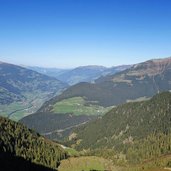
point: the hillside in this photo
(55, 126)
(137, 83)
(140, 130)
(66, 115)
(18, 142)
(23, 90)
(134, 135)
(140, 81)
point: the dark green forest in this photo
(20, 143)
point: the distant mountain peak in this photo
(92, 66)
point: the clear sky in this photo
(70, 33)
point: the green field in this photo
(87, 164)
(71, 152)
(79, 106)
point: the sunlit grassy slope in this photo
(79, 106)
(92, 163)
(87, 164)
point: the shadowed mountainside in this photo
(13, 163)
(17, 142)
(55, 126)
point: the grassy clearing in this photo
(79, 106)
(71, 152)
(86, 164)
(7, 109)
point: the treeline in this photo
(150, 148)
(153, 151)
(17, 140)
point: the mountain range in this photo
(80, 74)
(24, 90)
(123, 117)
(140, 82)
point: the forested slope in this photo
(140, 130)
(18, 142)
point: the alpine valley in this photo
(23, 91)
(93, 100)
(117, 121)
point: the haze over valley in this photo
(85, 85)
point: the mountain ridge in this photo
(86, 73)
(130, 84)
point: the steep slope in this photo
(23, 88)
(141, 130)
(55, 126)
(140, 81)
(19, 143)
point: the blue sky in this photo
(70, 33)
